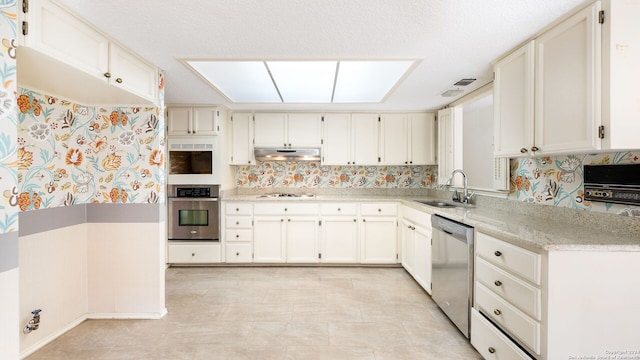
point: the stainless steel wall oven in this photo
(194, 212)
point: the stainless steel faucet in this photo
(466, 195)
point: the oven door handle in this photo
(192, 199)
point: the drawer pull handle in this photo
(497, 283)
(497, 312)
(491, 349)
(497, 253)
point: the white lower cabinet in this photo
(339, 233)
(237, 232)
(302, 239)
(415, 249)
(490, 342)
(193, 253)
(379, 233)
(268, 239)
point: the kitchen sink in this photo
(440, 204)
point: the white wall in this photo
(53, 277)
(9, 309)
(126, 270)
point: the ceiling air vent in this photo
(464, 82)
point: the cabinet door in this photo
(241, 144)
(422, 139)
(339, 241)
(449, 144)
(568, 72)
(302, 239)
(268, 239)
(513, 103)
(179, 121)
(408, 246)
(422, 261)
(393, 139)
(270, 130)
(205, 121)
(379, 240)
(132, 74)
(365, 138)
(57, 33)
(304, 129)
(336, 148)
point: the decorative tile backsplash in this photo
(558, 181)
(74, 154)
(313, 175)
(8, 115)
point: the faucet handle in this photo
(467, 199)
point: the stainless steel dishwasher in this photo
(452, 269)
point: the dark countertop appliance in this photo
(612, 183)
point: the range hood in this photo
(287, 154)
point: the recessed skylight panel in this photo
(368, 81)
(240, 81)
(304, 81)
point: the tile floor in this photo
(277, 313)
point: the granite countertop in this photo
(543, 231)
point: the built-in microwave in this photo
(190, 161)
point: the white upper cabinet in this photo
(350, 139)
(450, 149)
(196, 121)
(407, 139)
(59, 51)
(513, 103)
(287, 130)
(336, 136)
(567, 85)
(621, 75)
(573, 88)
(241, 144)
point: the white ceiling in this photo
(454, 39)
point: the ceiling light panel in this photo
(304, 81)
(240, 81)
(368, 81)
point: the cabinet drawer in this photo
(515, 259)
(490, 342)
(382, 209)
(524, 296)
(238, 209)
(240, 222)
(511, 319)
(339, 209)
(238, 235)
(416, 216)
(192, 253)
(286, 208)
(238, 253)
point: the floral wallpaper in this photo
(558, 181)
(313, 175)
(8, 118)
(74, 154)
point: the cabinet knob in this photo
(237, 209)
(413, 228)
(237, 236)
(193, 254)
(354, 220)
(535, 148)
(497, 253)
(107, 75)
(379, 210)
(364, 220)
(237, 222)
(285, 209)
(348, 162)
(119, 80)
(409, 226)
(237, 254)
(497, 283)
(491, 349)
(524, 150)
(339, 209)
(410, 162)
(281, 220)
(289, 145)
(289, 220)
(406, 162)
(497, 312)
